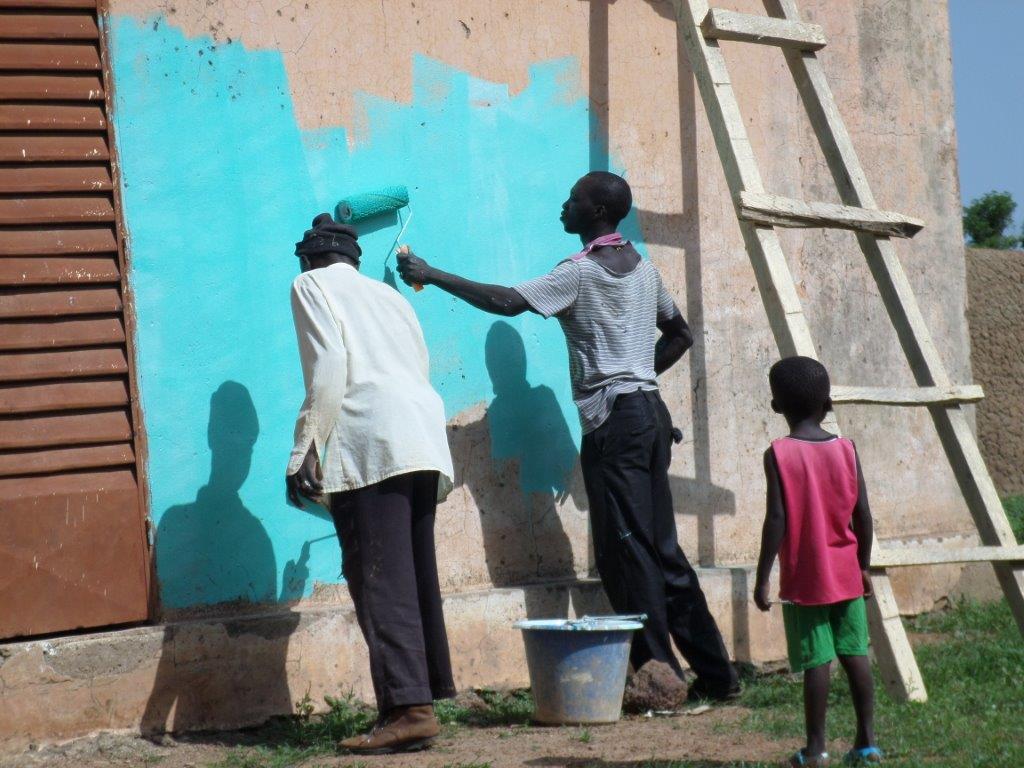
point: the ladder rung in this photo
(951, 395)
(938, 555)
(750, 28)
(773, 210)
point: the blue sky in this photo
(988, 75)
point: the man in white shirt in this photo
(370, 441)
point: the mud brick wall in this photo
(995, 313)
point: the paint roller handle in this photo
(404, 252)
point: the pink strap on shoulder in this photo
(615, 238)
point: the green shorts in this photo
(816, 634)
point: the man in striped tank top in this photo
(819, 524)
(610, 304)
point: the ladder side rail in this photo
(896, 661)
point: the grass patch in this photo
(345, 717)
(975, 714)
(262, 757)
(294, 740)
(1014, 506)
(502, 708)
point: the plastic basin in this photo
(578, 667)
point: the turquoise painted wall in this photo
(219, 183)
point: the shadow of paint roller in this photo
(368, 205)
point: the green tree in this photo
(986, 219)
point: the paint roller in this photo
(368, 205)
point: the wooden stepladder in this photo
(760, 212)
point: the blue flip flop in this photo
(864, 756)
(813, 761)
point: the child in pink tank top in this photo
(818, 523)
(818, 557)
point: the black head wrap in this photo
(327, 236)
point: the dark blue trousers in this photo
(642, 567)
(388, 559)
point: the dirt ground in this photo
(713, 738)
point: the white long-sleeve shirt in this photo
(369, 409)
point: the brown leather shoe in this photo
(405, 729)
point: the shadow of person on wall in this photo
(533, 470)
(215, 551)
(527, 424)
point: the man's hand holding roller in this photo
(411, 268)
(496, 299)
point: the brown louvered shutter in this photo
(73, 550)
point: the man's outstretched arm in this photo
(675, 339)
(496, 299)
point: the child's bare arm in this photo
(773, 531)
(863, 528)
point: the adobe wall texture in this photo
(237, 122)
(995, 313)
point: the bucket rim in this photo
(603, 624)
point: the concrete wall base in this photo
(221, 673)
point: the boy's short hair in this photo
(611, 191)
(800, 386)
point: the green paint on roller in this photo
(369, 204)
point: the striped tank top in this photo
(610, 325)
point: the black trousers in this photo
(388, 559)
(643, 570)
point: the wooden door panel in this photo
(77, 86)
(60, 332)
(58, 430)
(63, 364)
(73, 547)
(57, 270)
(47, 462)
(67, 25)
(55, 396)
(49, 302)
(72, 554)
(29, 179)
(49, 56)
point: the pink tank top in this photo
(818, 558)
